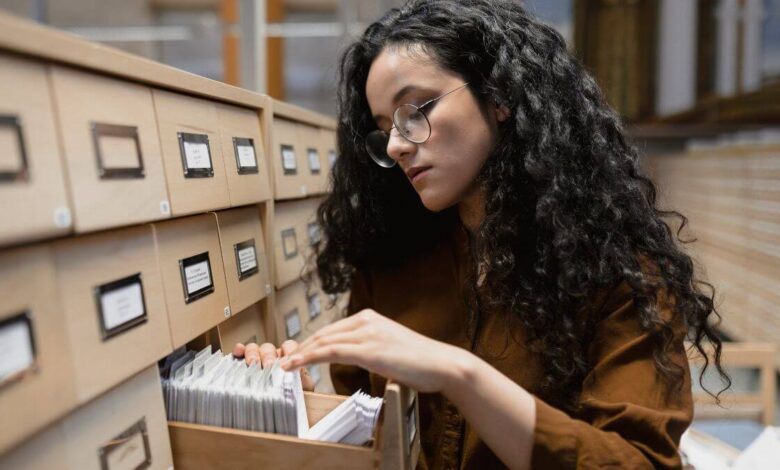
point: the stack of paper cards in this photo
(220, 390)
(352, 422)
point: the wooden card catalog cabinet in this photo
(32, 180)
(112, 150)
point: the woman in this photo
(504, 253)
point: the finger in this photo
(306, 380)
(251, 354)
(348, 354)
(267, 354)
(238, 350)
(334, 339)
(347, 325)
(288, 347)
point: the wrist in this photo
(459, 371)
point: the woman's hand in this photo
(267, 353)
(380, 345)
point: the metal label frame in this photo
(104, 289)
(242, 246)
(312, 170)
(286, 234)
(23, 173)
(113, 130)
(106, 449)
(26, 318)
(288, 171)
(315, 233)
(200, 293)
(309, 303)
(195, 139)
(411, 423)
(293, 312)
(244, 142)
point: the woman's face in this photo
(462, 134)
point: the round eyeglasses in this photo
(411, 123)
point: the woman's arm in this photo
(501, 411)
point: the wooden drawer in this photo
(243, 255)
(247, 326)
(112, 296)
(327, 145)
(124, 428)
(38, 385)
(294, 232)
(245, 161)
(112, 150)
(32, 183)
(192, 153)
(301, 309)
(396, 446)
(288, 159)
(190, 260)
(315, 161)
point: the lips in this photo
(414, 171)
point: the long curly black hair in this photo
(568, 209)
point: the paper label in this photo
(246, 156)
(293, 323)
(315, 308)
(198, 276)
(122, 305)
(16, 348)
(197, 155)
(288, 158)
(314, 160)
(129, 455)
(314, 233)
(289, 243)
(247, 259)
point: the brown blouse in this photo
(628, 418)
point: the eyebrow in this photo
(400, 93)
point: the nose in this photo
(398, 147)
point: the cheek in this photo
(457, 152)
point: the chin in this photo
(435, 202)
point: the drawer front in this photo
(123, 429)
(112, 295)
(112, 150)
(243, 256)
(192, 153)
(37, 384)
(190, 260)
(245, 160)
(294, 232)
(32, 183)
(247, 326)
(288, 159)
(315, 162)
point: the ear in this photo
(502, 112)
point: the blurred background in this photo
(696, 81)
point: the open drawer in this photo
(396, 444)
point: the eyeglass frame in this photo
(395, 125)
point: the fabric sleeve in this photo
(630, 416)
(349, 379)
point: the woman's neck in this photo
(471, 210)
